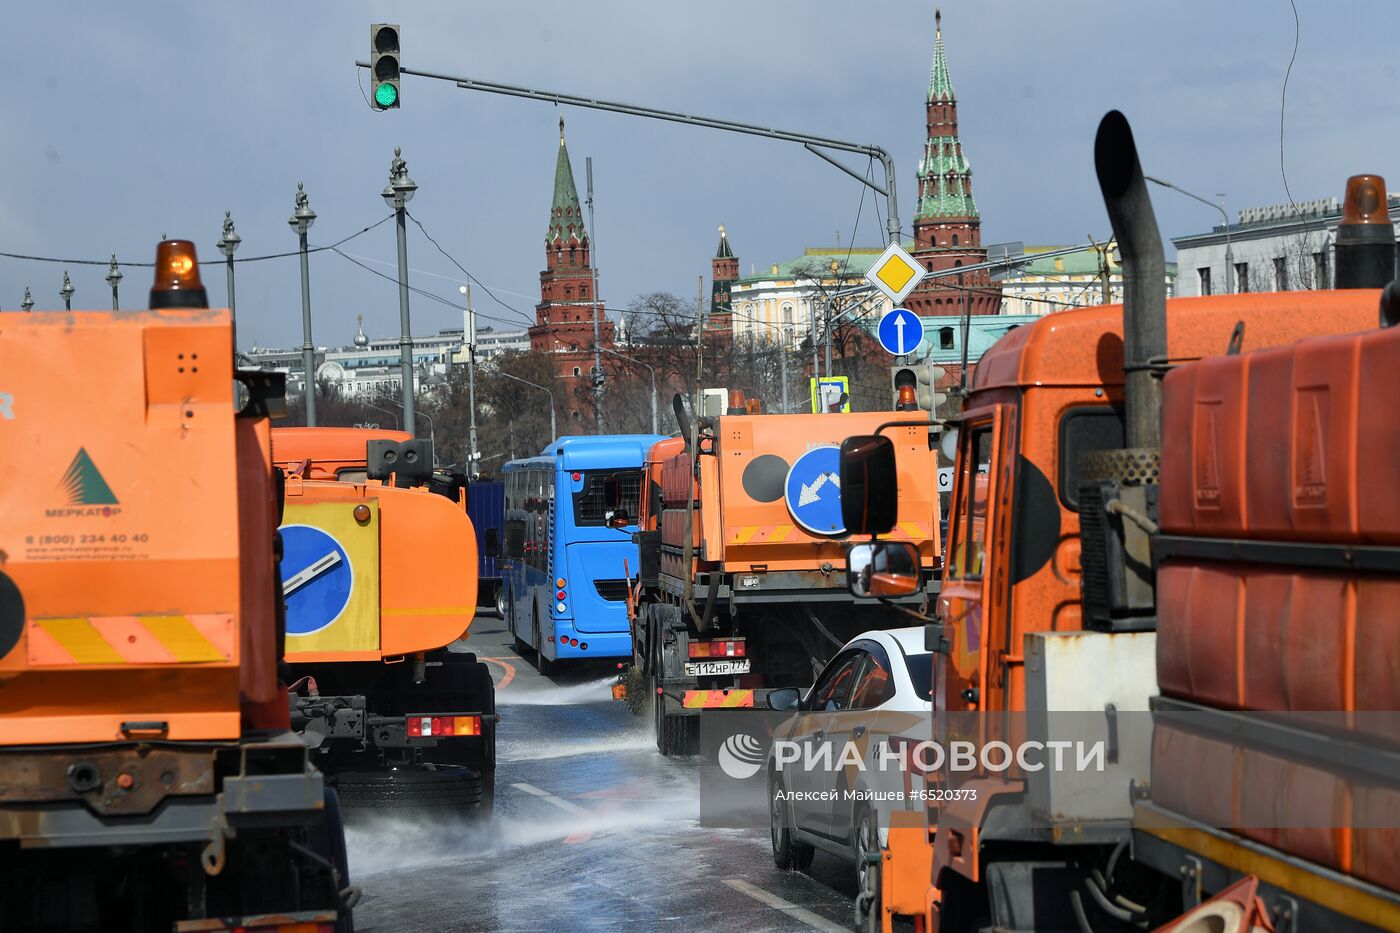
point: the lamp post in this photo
(114, 278)
(396, 194)
(391, 414)
(1229, 254)
(66, 292)
(301, 220)
(469, 338)
(654, 416)
(228, 245)
(28, 302)
(553, 424)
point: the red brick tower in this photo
(947, 227)
(724, 269)
(564, 316)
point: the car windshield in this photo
(921, 673)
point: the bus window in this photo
(969, 549)
(591, 502)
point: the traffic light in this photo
(384, 65)
(914, 386)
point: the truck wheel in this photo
(788, 853)
(675, 735)
(441, 790)
(327, 839)
(868, 867)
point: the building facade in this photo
(1278, 248)
(791, 300)
(1040, 286)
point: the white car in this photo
(875, 689)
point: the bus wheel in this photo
(521, 648)
(544, 665)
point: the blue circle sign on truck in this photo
(813, 491)
(317, 578)
(901, 331)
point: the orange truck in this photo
(741, 584)
(1198, 571)
(149, 779)
(379, 571)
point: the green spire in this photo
(723, 252)
(940, 86)
(565, 210)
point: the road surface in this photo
(593, 830)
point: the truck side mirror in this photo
(882, 569)
(617, 518)
(869, 484)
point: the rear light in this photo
(429, 726)
(727, 648)
(563, 639)
(577, 476)
(561, 594)
(561, 607)
(573, 642)
(559, 584)
(584, 645)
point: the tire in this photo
(439, 790)
(788, 853)
(544, 665)
(501, 600)
(868, 906)
(521, 647)
(327, 839)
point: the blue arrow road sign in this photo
(316, 578)
(813, 491)
(901, 331)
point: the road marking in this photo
(506, 666)
(567, 806)
(800, 914)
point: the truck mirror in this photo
(869, 485)
(617, 518)
(785, 699)
(882, 569)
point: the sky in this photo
(124, 122)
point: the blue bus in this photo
(562, 578)
(486, 507)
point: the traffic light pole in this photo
(633, 110)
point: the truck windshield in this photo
(591, 504)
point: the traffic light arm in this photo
(714, 123)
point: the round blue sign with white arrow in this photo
(316, 578)
(813, 491)
(901, 331)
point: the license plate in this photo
(715, 668)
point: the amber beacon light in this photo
(1365, 237)
(177, 283)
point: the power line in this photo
(464, 271)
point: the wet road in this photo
(593, 830)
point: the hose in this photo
(1079, 917)
(1102, 885)
(1110, 908)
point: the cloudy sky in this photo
(125, 121)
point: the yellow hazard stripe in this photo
(913, 529)
(717, 699)
(780, 533)
(81, 640)
(743, 535)
(184, 642)
(430, 611)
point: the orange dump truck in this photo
(1226, 637)
(742, 580)
(148, 776)
(379, 571)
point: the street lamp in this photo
(553, 424)
(114, 278)
(228, 245)
(469, 338)
(28, 302)
(301, 220)
(67, 292)
(654, 421)
(396, 194)
(391, 414)
(1229, 254)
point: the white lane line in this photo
(566, 805)
(800, 914)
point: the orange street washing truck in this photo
(379, 571)
(742, 585)
(149, 779)
(1175, 529)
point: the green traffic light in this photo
(386, 95)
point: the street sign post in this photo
(900, 331)
(813, 491)
(827, 391)
(896, 273)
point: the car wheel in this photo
(788, 853)
(868, 867)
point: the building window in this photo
(945, 338)
(1281, 274)
(1321, 275)
(930, 266)
(955, 239)
(1204, 273)
(1242, 277)
(577, 371)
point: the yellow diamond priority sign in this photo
(895, 273)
